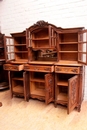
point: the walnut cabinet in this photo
(47, 62)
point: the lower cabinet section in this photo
(18, 84)
(66, 90)
(42, 86)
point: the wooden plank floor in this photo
(17, 114)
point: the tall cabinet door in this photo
(49, 88)
(82, 47)
(26, 85)
(9, 48)
(72, 93)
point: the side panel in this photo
(72, 93)
(49, 87)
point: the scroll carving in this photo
(41, 23)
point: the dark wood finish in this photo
(3, 73)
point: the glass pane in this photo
(82, 47)
(11, 41)
(7, 42)
(82, 57)
(12, 56)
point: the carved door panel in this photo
(72, 93)
(9, 48)
(82, 47)
(26, 85)
(49, 88)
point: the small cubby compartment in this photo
(15, 48)
(44, 55)
(63, 87)
(40, 38)
(70, 38)
(37, 83)
(68, 46)
(17, 83)
(66, 90)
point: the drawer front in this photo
(71, 70)
(13, 67)
(36, 68)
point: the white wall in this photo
(17, 15)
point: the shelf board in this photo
(40, 48)
(18, 89)
(39, 92)
(16, 45)
(68, 43)
(35, 39)
(62, 83)
(37, 80)
(62, 97)
(17, 78)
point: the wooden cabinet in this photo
(68, 86)
(69, 72)
(18, 84)
(15, 48)
(41, 82)
(50, 61)
(16, 54)
(42, 47)
(3, 73)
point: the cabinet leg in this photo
(55, 104)
(79, 108)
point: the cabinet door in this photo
(82, 47)
(49, 88)
(26, 85)
(72, 93)
(9, 48)
(52, 36)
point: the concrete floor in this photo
(17, 114)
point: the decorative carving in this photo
(75, 70)
(47, 69)
(41, 23)
(73, 91)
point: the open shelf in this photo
(62, 97)
(62, 83)
(18, 89)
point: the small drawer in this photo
(36, 68)
(13, 67)
(71, 70)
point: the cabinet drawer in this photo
(71, 70)
(38, 68)
(13, 67)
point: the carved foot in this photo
(55, 104)
(79, 108)
(0, 104)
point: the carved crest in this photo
(40, 23)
